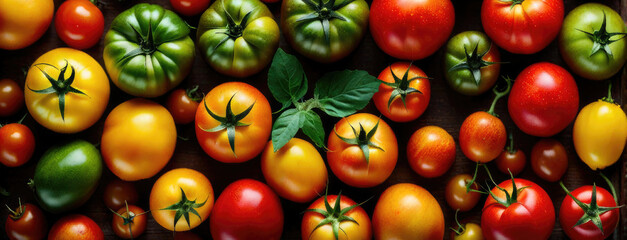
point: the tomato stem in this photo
(401, 86)
(183, 208)
(510, 148)
(609, 98)
(194, 94)
(612, 189)
(460, 228)
(500, 94)
(229, 122)
(362, 139)
(17, 213)
(21, 119)
(335, 215)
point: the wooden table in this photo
(447, 110)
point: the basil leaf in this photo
(343, 93)
(286, 79)
(285, 128)
(312, 127)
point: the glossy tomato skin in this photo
(348, 162)
(395, 214)
(246, 210)
(138, 139)
(296, 172)
(570, 213)
(76, 227)
(402, 34)
(362, 230)
(472, 232)
(18, 144)
(129, 230)
(11, 97)
(456, 195)
(431, 151)
(513, 162)
(544, 99)
(531, 217)
(31, 224)
(117, 192)
(181, 106)
(190, 7)
(79, 23)
(523, 28)
(415, 103)
(549, 159)
(482, 136)
(23, 22)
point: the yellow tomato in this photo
(178, 192)
(68, 102)
(138, 139)
(22, 22)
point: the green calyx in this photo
(229, 122)
(233, 30)
(129, 219)
(609, 98)
(509, 198)
(513, 2)
(334, 215)
(499, 95)
(362, 139)
(18, 213)
(602, 38)
(147, 45)
(473, 62)
(193, 94)
(460, 228)
(401, 87)
(60, 86)
(591, 212)
(183, 208)
(324, 12)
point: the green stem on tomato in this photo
(609, 183)
(460, 228)
(499, 95)
(609, 98)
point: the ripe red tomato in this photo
(522, 26)
(27, 222)
(129, 222)
(579, 203)
(117, 192)
(411, 30)
(549, 159)
(247, 209)
(79, 23)
(75, 227)
(18, 144)
(190, 7)
(431, 151)
(456, 195)
(406, 93)
(182, 104)
(336, 221)
(11, 97)
(544, 100)
(511, 159)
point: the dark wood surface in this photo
(447, 109)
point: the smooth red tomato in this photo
(246, 210)
(182, 104)
(79, 23)
(26, 222)
(18, 144)
(129, 222)
(190, 7)
(117, 192)
(544, 100)
(75, 227)
(511, 159)
(411, 30)
(345, 229)
(482, 137)
(350, 163)
(407, 211)
(456, 195)
(549, 159)
(406, 93)
(11, 97)
(522, 26)
(431, 151)
(606, 213)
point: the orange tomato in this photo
(131, 224)
(347, 230)
(22, 22)
(431, 151)
(405, 80)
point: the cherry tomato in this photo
(75, 227)
(117, 192)
(356, 229)
(578, 204)
(11, 97)
(431, 151)
(182, 104)
(466, 231)
(511, 159)
(129, 222)
(406, 93)
(18, 144)
(456, 195)
(190, 7)
(549, 159)
(26, 222)
(79, 23)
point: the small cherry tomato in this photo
(117, 192)
(549, 159)
(11, 97)
(511, 159)
(405, 94)
(76, 227)
(458, 197)
(190, 7)
(129, 222)
(182, 104)
(466, 231)
(27, 222)
(18, 144)
(431, 151)
(601, 216)
(79, 23)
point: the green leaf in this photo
(345, 92)
(286, 79)
(286, 127)
(312, 127)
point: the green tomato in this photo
(325, 30)
(592, 41)
(67, 175)
(238, 37)
(471, 63)
(148, 50)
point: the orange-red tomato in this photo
(18, 144)
(22, 22)
(26, 222)
(456, 195)
(117, 192)
(408, 94)
(360, 229)
(76, 227)
(131, 224)
(79, 23)
(11, 97)
(549, 159)
(482, 137)
(431, 151)
(182, 104)
(511, 161)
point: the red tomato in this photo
(544, 100)
(247, 209)
(117, 192)
(75, 227)
(522, 26)
(528, 214)
(129, 222)
(79, 23)
(27, 222)
(549, 159)
(456, 195)
(18, 144)
(572, 210)
(411, 30)
(190, 7)
(406, 94)
(511, 159)
(340, 225)
(182, 104)
(11, 97)
(431, 151)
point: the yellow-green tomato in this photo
(471, 231)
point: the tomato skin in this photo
(117, 192)
(544, 100)
(511, 162)
(570, 213)
(352, 231)
(137, 227)
(79, 23)
(247, 209)
(190, 7)
(401, 33)
(75, 227)
(415, 103)
(11, 97)
(456, 195)
(22, 22)
(431, 151)
(181, 106)
(549, 159)
(18, 144)
(482, 136)
(472, 232)
(523, 28)
(395, 214)
(31, 225)
(296, 172)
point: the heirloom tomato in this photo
(148, 50)
(362, 150)
(511, 159)
(431, 151)
(66, 90)
(190, 7)
(22, 22)
(466, 231)
(459, 196)
(18, 144)
(326, 30)
(26, 222)
(79, 23)
(322, 222)
(138, 139)
(11, 97)
(75, 227)
(129, 222)
(411, 30)
(117, 193)
(589, 213)
(233, 122)
(549, 159)
(522, 26)
(404, 94)
(182, 104)
(181, 194)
